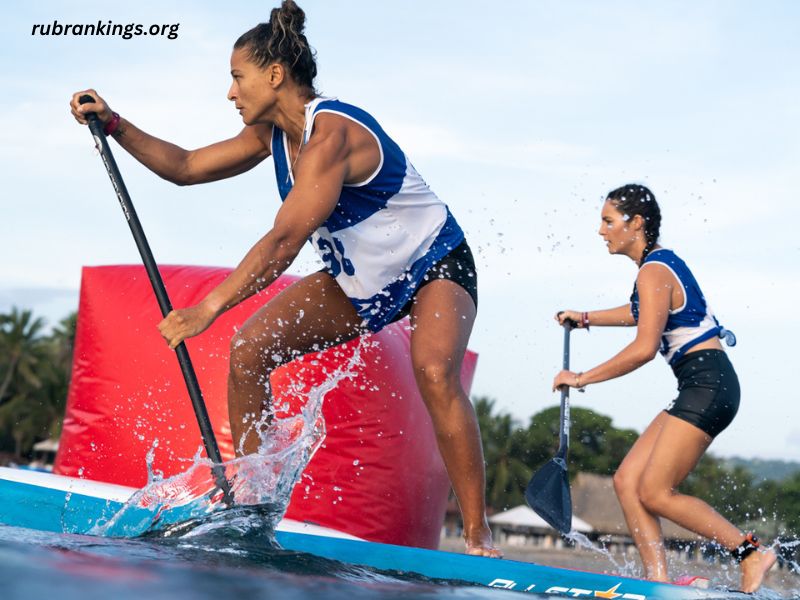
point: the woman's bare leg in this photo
(442, 319)
(644, 526)
(677, 449)
(308, 316)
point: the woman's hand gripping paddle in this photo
(206, 432)
(548, 491)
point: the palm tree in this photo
(30, 416)
(503, 448)
(21, 350)
(63, 338)
(35, 377)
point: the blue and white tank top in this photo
(385, 233)
(687, 325)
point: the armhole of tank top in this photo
(377, 141)
(678, 279)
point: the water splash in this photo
(787, 551)
(627, 568)
(262, 481)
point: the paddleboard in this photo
(48, 502)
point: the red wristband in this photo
(585, 320)
(112, 125)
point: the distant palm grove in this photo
(35, 366)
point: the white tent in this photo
(46, 446)
(523, 516)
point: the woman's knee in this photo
(249, 355)
(654, 497)
(626, 483)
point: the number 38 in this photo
(334, 257)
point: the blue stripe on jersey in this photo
(687, 326)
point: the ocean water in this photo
(219, 556)
(220, 564)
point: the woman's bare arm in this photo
(655, 285)
(320, 173)
(173, 163)
(655, 296)
(620, 316)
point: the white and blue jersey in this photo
(385, 232)
(687, 325)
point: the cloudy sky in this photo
(519, 115)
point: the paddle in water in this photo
(189, 376)
(548, 490)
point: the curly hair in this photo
(282, 40)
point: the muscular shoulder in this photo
(655, 275)
(330, 132)
(336, 127)
(341, 138)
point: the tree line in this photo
(514, 451)
(35, 367)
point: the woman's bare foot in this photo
(755, 567)
(481, 544)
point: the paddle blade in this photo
(548, 494)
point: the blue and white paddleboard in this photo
(60, 504)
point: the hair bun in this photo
(282, 40)
(290, 16)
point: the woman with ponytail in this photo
(671, 316)
(391, 247)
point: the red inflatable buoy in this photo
(378, 474)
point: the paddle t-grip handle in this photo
(91, 117)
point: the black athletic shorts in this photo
(708, 391)
(458, 266)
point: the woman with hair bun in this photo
(671, 316)
(391, 247)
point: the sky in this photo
(520, 116)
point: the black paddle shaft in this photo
(563, 438)
(189, 376)
(548, 491)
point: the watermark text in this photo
(106, 28)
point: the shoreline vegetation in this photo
(514, 451)
(35, 368)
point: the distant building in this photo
(44, 455)
(521, 526)
(594, 498)
(596, 513)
